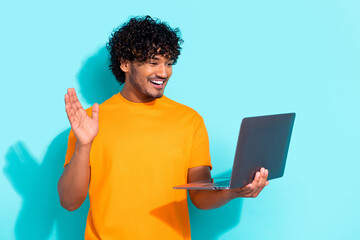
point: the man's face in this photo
(146, 81)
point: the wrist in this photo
(228, 195)
(82, 148)
(231, 194)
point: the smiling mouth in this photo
(157, 82)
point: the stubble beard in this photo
(144, 91)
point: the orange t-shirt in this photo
(141, 151)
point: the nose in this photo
(161, 71)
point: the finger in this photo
(255, 184)
(70, 93)
(73, 98)
(95, 112)
(67, 99)
(267, 175)
(70, 112)
(263, 177)
(78, 110)
(262, 182)
(71, 108)
(72, 119)
(67, 103)
(256, 180)
(68, 108)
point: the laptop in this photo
(263, 142)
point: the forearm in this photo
(209, 199)
(74, 182)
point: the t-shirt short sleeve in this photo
(200, 151)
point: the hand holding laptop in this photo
(254, 188)
(208, 199)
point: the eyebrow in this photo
(154, 57)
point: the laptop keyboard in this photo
(224, 183)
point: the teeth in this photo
(157, 82)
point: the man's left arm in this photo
(209, 199)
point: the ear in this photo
(124, 65)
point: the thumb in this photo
(95, 112)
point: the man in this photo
(130, 151)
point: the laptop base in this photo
(213, 184)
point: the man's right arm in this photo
(74, 182)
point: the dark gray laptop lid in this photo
(263, 142)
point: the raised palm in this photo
(85, 128)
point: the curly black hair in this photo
(140, 39)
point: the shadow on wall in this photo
(97, 83)
(37, 183)
(211, 224)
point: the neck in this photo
(132, 95)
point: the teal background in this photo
(239, 59)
